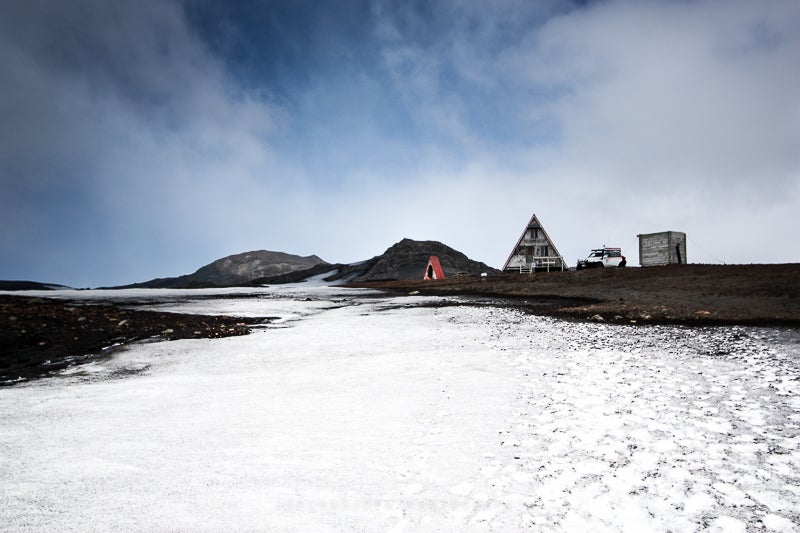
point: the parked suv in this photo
(603, 257)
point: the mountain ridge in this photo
(404, 260)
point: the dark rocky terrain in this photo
(42, 335)
(675, 294)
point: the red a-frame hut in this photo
(434, 269)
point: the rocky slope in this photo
(408, 258)
(239, 269)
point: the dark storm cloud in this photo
(111, 111)
(285, 44)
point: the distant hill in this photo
(408, 258)
(239, 269)
(6, 285)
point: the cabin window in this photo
(534, 233)
(545, 250)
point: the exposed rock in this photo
(241, 268)
(298, 275)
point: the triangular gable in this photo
(534, 250)
(434, 269)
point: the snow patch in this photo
(366, 412)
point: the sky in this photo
(144, 139)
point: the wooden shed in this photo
(664, 248)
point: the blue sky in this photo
(146, 139)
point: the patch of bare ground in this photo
(39, 336)
(675, 294)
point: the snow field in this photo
(348, 419)
(617, 433)
(363, 413)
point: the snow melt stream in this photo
(373, 413)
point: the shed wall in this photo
(664, 248)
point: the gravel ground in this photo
(676, 294)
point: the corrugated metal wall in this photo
(664, 248)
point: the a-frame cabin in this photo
(534, 251)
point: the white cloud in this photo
(665, 115)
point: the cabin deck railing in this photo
(539, 263)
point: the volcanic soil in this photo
(767, 295)
(39, 336)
